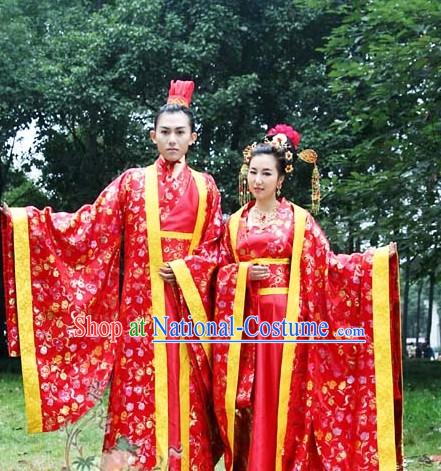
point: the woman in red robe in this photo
(293, 405)
(61, 268)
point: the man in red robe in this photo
(61, 268)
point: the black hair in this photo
(279, 153)
(175, 108)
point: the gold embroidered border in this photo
(292, 315)
(192, 297)
(196, 308)
(158, 309)
(271, 261)
(233, 226)
(177, 235)
(269, 291)
(184, 405)
(383, 361)
(234, 353)
(202, 209)
(22, 260)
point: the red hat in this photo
(180, 92)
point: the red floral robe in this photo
(307, 406)
(59, 266)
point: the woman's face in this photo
(263, 177)
(173, 135)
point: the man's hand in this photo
(167, 275)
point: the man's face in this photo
(173, 135)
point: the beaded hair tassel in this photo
(244, 193)
(310, 156)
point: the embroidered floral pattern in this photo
(75, 272)
(331, 423)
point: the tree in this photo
(383, 62)
(102, 74)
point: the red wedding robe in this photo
(308, 406)
(59, 266)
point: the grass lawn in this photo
(46, 452)
(20, 451)
(422, 413)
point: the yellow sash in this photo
(158, 309)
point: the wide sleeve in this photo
(61, 273)
(354, 390)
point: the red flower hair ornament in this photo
(293, 135)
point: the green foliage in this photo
(17, 95)
(85, 464)
(41, 451)
(360, 81)
(101, 73)
(24, 194)
(21, 191)
(384, 62)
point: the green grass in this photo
(422, 413)
(20, 451)
(46, 452)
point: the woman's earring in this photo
(279, 191)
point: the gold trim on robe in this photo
(202, 209)
(194, 304)
(22, 261)
(192, 297)
(234, 351)
(292, 315)
(158, 310)
(383, 361)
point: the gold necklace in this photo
(263, 218)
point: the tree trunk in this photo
(418, 313)
(357, 244)
(429, 314)
(406, 303)
(3, 349)
(350, 243)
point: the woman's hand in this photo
(258, 272)
(4, 208)
(167, 275)
(393, 249)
